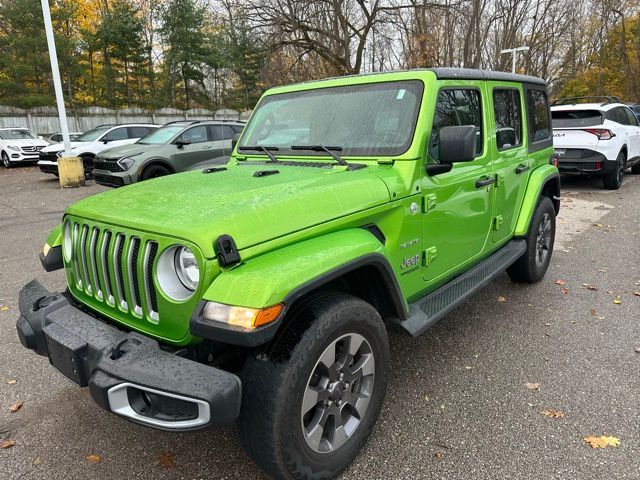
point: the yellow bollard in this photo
(71, 172)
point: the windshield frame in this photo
(346, 153)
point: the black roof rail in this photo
(602, 99)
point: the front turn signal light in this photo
(244, 317)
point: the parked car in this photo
(261, 291)
(596, 138)
(57, 137)
(90, 143)
(175, 147)
(19, 145)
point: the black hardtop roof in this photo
(446, 73)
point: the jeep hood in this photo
(131, 150)
(240, 201)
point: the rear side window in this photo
(138, 132)
(508, 118)
(631, 118)
(221, 132)
(617, 115)
(576, 118)
(456, 107)
(539, 128)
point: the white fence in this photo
(44, 120)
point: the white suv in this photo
(90, 143)
(19, 145)
(601, 139)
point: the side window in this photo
(138, 132)
(617, 115)
(196, 134)
(237, 128)
(508, 118)
(117, 134)
(538, 115)
(221, 132)
(631, 118)
(456, 107)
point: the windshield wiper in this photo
(322, 148)
(262, 148)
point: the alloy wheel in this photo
(543, 240)
(338, 393)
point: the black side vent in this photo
(214, 169)
(376, 232)
(152, 289)
(226, 251)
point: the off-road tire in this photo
(87, 164)
(275, 382)
(530, 267)
(613, 180)
(154, 171)
(5, 160)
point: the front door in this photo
(457, 207)
(198, 150)
(510, 160)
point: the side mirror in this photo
(457, 144)
(505, 137)
(106, 140)
(234, 141)
(181, 142)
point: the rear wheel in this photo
(613, 180)
(533, 264)
(87, 163)
(5, 160)
(154, 171)
(308, 409)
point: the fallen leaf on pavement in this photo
(560, 282)
(16, 406)
(93, 458)
(552, 412)
(437, 455)
(637, 349)
(532, 386)
(565, 290)
(617, 301)
(593, 311)
(588, 286)
(602, 442)
(502, 299)
(7, 443)
(167, 460)
(4, 308)
(37, 461)
(12, 382)
(637, 294)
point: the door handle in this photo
(521, 168)
(207, 147)
(484, 181)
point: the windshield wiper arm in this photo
(263, 148)
(322, 148)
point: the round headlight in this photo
(187, 268)
(66, 242)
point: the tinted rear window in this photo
(576, 118)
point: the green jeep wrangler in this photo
(261, 292)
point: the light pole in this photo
(514, 53)
(55, 71)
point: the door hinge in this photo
(428, 202)
(430, 255)
(499, 180)
(497, 222)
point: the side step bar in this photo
(428, 310)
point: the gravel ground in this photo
(457, 405)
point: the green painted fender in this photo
(538, 180)
(268, 279)
(55, 237)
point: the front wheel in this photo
(308, 409)
(5, 160)
(154, 171)
(533, 264)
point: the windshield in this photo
(17, 134)
(576, 118)
(161, 135)
(364, 120)
(94, 134)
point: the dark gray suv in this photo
(173, 148)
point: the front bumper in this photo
(23, 157)
(590, 162)
(48, 166)
(112, 179)
(127, 373)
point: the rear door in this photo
(221, 136)
(634, 134)
(511, 162)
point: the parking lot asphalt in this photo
(457, 406)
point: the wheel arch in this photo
(156, 161)
(544, 181)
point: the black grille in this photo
(105, 165)
(153, 251)
(49, 157)
(119, 254)
(135, 251)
